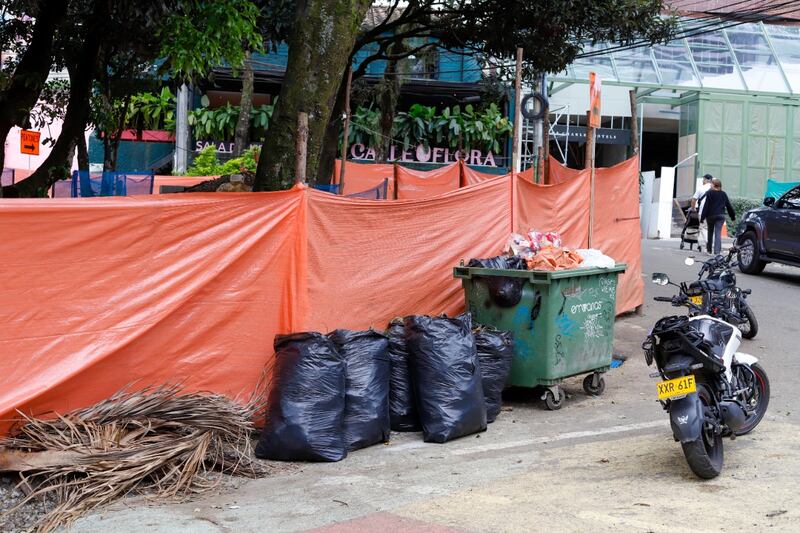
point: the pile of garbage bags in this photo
(332, 394)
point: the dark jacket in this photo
(716, 202)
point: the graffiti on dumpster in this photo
(586, 307)
(558, 349)
(593, 326)
(608, 285)
(566, 325)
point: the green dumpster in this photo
(562, 321)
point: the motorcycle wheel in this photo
(758, 400)
(705, 454)
(749, 328)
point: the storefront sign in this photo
(601, 135)
(425, 154)
(222, 147)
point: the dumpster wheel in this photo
(550, 399)
(594, 384)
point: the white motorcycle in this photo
(709, 389)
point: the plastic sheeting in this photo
(776, 189)
(104, 292)
(423, 184)
(359, 177)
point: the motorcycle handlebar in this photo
(663, 298)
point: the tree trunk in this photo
(387, 103)
(330, 141)
(31, 73)
(81, 75)
(245, 106)
(320, 43)
(83, 151)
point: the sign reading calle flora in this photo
(425, 154)
(29, 142)
(417, 154)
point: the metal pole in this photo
(301, 148)
(545, 132)
(346, 129)
(589, 163)
(181, 130)
(515, 148)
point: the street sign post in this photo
(29, 142)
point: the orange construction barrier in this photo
(360, 177)
(102, 293)
(413, 184)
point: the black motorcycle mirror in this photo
(769, 201)
(659, 278)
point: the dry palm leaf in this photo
(155, 441)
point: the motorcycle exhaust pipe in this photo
(733, 414)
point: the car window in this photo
(790, 200)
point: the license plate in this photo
(696, 300)
(676, 387)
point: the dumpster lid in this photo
(535, 276)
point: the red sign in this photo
(29, 142)
(594, 100)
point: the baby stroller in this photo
(691, 228)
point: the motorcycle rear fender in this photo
(745, 359)
(686, 418)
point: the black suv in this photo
(770, 233)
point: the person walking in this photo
(713, 211)
(698, 199)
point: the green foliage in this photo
(220, 123)
(480, 129)
(206, 163)
(207, 34)
(740, 206)
(150, 111)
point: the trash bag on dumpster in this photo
(305, 410)
(504, 262)
(367, 370)
(495, 353)
(402, 404)
(504, 291)
(446, 376)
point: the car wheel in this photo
(750, 261)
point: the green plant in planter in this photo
(414, 126)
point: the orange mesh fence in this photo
(414, 184)
(372, 261)
(192, 288)
(616, 227)
(359, 177)
(473, 177)
(183, 288)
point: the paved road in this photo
(599, 464)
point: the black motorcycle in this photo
(709, 389)
(717, 295)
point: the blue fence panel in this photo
(90, 184)
(325, 187)
(376, 193)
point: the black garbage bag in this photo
(495, 353)
(503, 290)
(504, 262)
(305, 410)
(446, 377)
(367, 370)
(402, 404)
